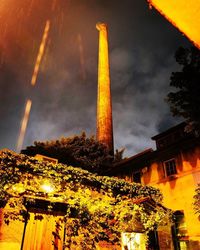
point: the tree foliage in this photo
(97, 207)
(185, 101)
(78, 151)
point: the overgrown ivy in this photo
(97, 207)
(197, 200)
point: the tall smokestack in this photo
(104, 103)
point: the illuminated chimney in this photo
(104, 103)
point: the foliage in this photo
(118, 155)
(185, 102)
(197, 200)
(97, 207)
(80, 151)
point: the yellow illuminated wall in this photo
(39, 233)
(178, 191)
(184, 14)
(104, 106)
(10, 235)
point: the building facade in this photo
(174, 168)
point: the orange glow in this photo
(104, 105)
(40, 53)
(24, 125)
(183, 14)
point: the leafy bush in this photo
(78, 151)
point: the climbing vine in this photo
(95, 207)
(197, 200)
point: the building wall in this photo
(10, 234)
(178, 190)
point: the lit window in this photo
(180, 225)
(170, 167)
(131, 241)
(179, 230)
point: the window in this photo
(131, 241)
(137, 177)
(46, 158)
(170, 167)
(179, 231)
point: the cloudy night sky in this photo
(141, 46)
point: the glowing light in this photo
(47, 187)
(40, 53)
(24, 125)
(104, 105)
(183, 14)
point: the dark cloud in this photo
(142, 46)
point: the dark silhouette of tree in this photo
(119, 155)
(78, 151)
(185, 102)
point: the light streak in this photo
(24, 125)
(183, 14)
(33, 82)
(81, 53)
(40, 53)
(54, 2)
(30, 8)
